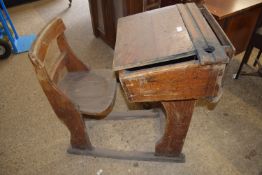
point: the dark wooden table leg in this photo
(178, 117)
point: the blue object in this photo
(19, 43)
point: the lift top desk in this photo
(173, 55)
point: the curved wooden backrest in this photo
(61, 104)
(46, 36)
(66, 59)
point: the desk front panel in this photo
(181, 81)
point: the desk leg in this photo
(178, 117)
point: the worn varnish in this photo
(178, 117)
(181, 67)
(181, 81)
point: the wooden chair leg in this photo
(66, 112)
(178, 117)
(79, 138)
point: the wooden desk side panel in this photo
(180, 82)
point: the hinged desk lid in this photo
(165, 34)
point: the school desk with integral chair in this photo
(169, 55)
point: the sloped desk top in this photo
(151, 37)
(166, 34)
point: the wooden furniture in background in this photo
(151, 4)
(103, 16)
(171, 55)
(237, 18)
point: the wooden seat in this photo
(92, 91)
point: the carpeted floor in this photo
(226, 140)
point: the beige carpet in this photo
(225, 141)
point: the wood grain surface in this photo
(172, 82)
(178, 117)
(225, 8)
(151, 37)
